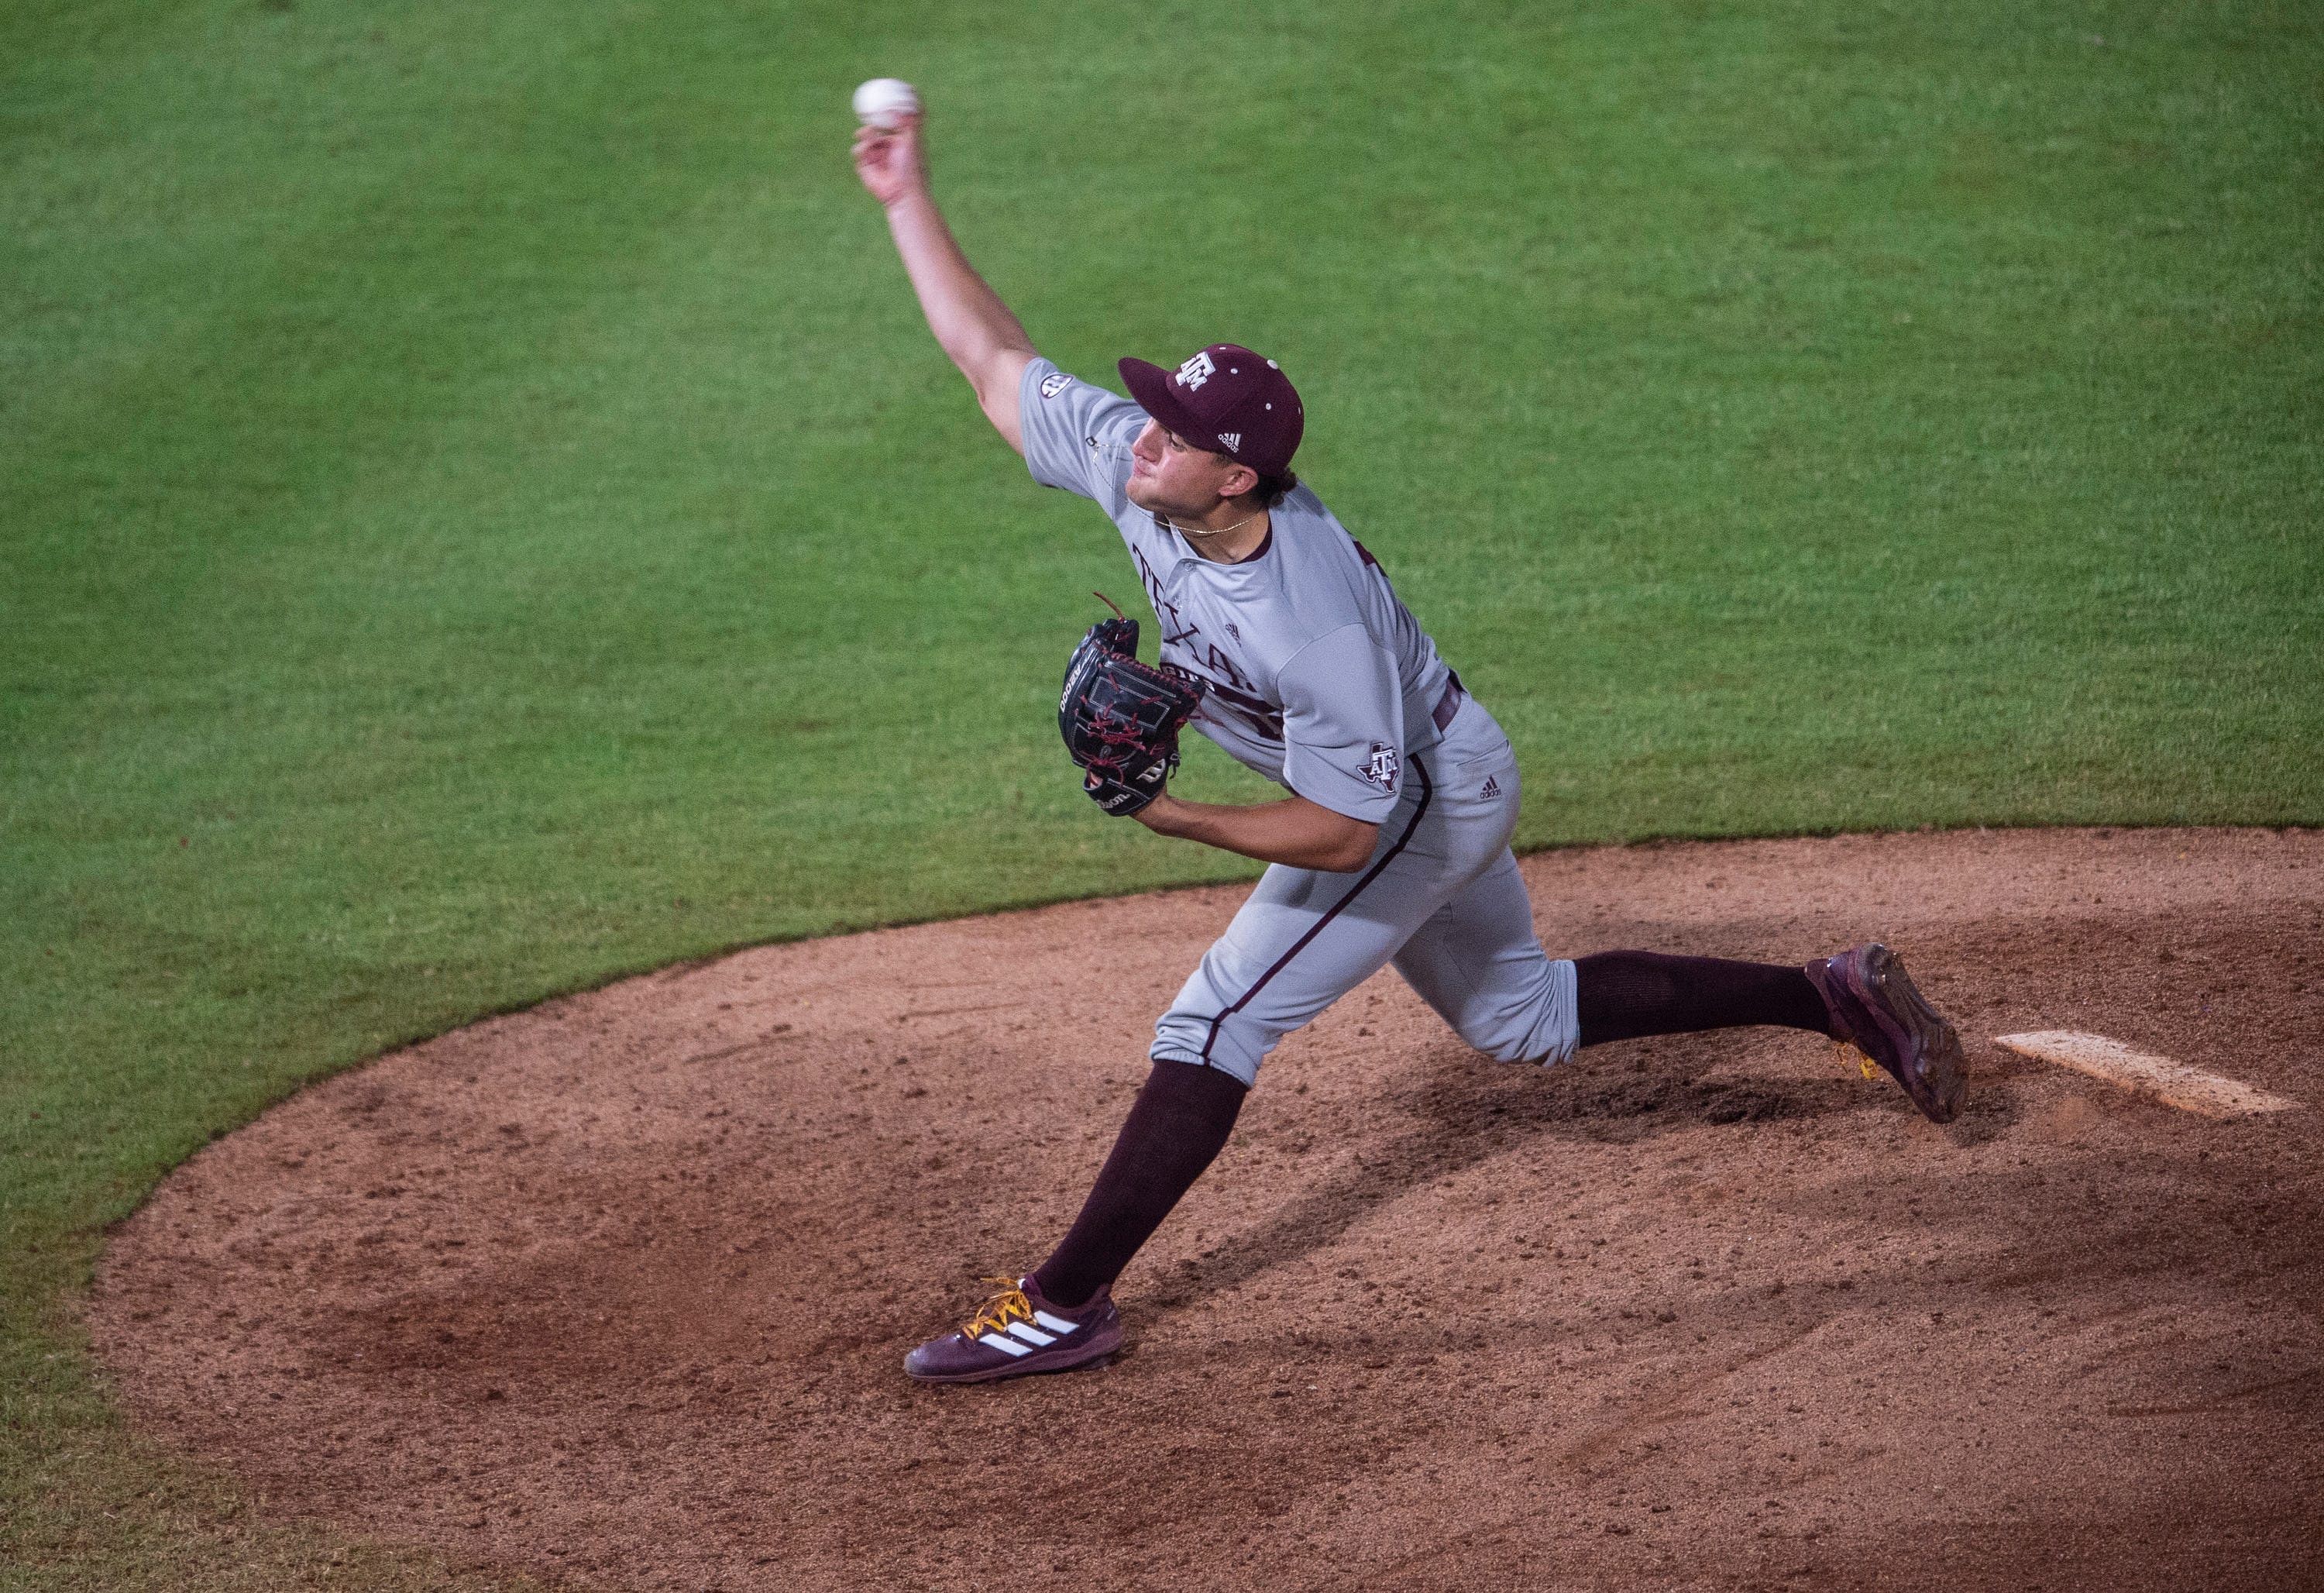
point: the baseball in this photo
(884, 103)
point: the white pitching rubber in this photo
(2173, 1083)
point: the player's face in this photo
(1170, 475)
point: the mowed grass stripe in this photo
(478, 480)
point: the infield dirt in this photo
(616, 1290)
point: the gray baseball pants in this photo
(1441, 898)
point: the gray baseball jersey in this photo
(1321, 680)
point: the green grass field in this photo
(481, 514)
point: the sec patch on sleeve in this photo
(1055, 383)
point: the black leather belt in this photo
(1449, 704)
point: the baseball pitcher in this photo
(1284, 642)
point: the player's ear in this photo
(1240, 480)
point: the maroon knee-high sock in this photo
(1179, 1124)
(1623, 995)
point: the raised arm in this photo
(975, 328)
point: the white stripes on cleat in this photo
(1008, 1340)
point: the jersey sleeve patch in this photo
(1380, 768)
(1076, 437)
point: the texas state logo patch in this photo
(1381, 768)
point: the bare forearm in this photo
(1295, 831)
(973, 325)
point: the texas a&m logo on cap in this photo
(1226, 399)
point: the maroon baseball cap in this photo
(1225, 399)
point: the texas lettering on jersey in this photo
(1184, 645)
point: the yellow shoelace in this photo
(1845, 1053)
(1008, 1306)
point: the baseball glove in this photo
(1120, 718)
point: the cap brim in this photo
(1149, 385)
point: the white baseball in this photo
(884, 103)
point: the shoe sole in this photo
(1040, 1361)
(1944, 1069)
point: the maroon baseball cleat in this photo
(1015, 1333)
(1874, 1008)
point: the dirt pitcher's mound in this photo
(618, 1289)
